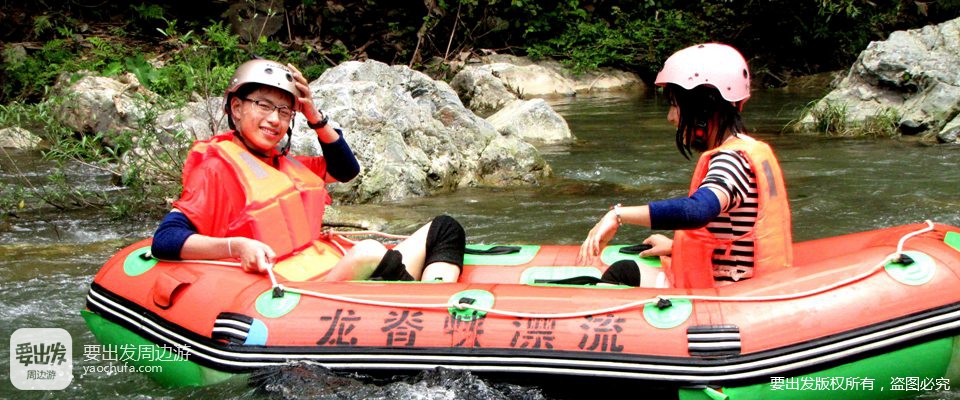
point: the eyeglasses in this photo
(266, 108)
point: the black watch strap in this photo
(320, 124)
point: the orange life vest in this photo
(691, 263)
(283, 206)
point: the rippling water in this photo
(624, 153)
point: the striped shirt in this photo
(730, 172)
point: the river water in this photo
(624, 153)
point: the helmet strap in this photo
(285, 149)
(246, 144)
(275, 159)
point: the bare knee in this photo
(368, 251)
(441, 271)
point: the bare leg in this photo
(414, 251)
(447, 243)
(441, 271)
(359, 262)
(439, 245)
(648, 275)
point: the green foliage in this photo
(26, 76)
(148, 11)
(41, 23)
(34, 117)
(885, 124)
(626, 42)
(13, 198)
(830, 118)
(146, 162)
(57, 190)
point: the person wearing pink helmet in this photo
(735, 223)
(244, 198)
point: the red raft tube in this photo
(866, 315)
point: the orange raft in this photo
(851, 308)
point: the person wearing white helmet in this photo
(245, 198)
(735, 223)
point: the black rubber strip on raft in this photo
(733, 370)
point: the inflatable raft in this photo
(869, 315)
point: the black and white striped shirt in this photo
(730, 172)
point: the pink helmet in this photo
(712, 64)
(264, 72)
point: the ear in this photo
(236, 105)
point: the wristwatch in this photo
(320, 124)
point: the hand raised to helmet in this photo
(304, 102)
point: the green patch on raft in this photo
(166, 367)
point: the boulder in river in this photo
(910, 79)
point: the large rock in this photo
(102, 105)
(499, 87)
(198, 119)
(18, 138)
(481, 90)
(950, 132)
(520, 77)
(532, 120)
(532, 80)
(412, 135)
(913, 74)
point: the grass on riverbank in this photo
(832, 119)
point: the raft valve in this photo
(663, 303)
(904, 260)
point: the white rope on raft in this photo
(462, 306)
(366, 233)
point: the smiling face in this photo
(261, 130)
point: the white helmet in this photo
(712, 64)
(264, 72)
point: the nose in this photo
(674, 115)
(274, 116)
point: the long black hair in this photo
(702, 109)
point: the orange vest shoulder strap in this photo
(260, 182)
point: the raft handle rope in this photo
(658, 300)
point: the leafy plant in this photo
(41, 24)
(884, 124)
(830, 118)
(57, 190)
